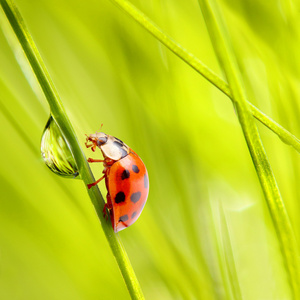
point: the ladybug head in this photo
(97, 139)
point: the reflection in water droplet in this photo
(56, 153)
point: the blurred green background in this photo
(205, 232)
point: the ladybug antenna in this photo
(101, 126)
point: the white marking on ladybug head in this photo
(110, 146)
(114, 148)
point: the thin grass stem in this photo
(202, 69)
(224, 51)
(59, 114)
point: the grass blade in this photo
(229, 255)
(59, 114)
(221, 42)
(202, 69)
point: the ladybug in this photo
(126, 179)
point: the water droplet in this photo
(56, 152)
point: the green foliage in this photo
(206, 231)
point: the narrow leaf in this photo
(59, 114)
(202, 69)
(223, 48)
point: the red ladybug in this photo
(126, 179)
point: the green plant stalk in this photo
(228, 255)
(202, 69)
(58, 112)
(223, 48)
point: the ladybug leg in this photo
(88, 145)
(86, 142)
(95, 183)
(108, 206)
(90, 160)
(92, 145)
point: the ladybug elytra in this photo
(126, 179)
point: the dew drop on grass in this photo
(56, 152)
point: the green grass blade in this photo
(221, 42)
(202, 69)
(229, 256)
(59, 114)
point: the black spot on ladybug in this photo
(120, 197)
(121, 148)
(119, 140)
(135, 169)
(135, 197)
(123, 218)
(146, 181)
(118, 144)
(125, 174)
(133, 215)
(124, 152)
